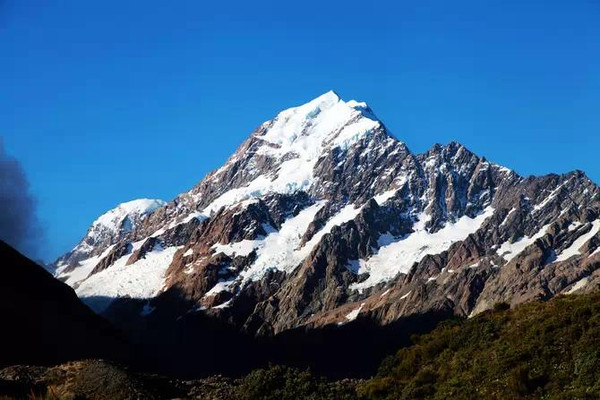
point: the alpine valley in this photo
(323, 241)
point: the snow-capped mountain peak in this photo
(310, 127)
(112, 226)
(285, 154)
(321, 207)
(114, 218)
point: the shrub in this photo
(539, 350)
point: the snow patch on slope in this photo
(278, 249)
(550, 197)
(281, 249)
(352, 315)
(140, 280)
(348, 213)
(398, 255)
(221, 286)
(82, 271)
(242, 248)
(385, 196)
(578, 285)
(507, 215)
(573, 250)
(509, 250)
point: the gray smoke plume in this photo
(18, 222)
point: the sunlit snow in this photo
(573, 250)
(352, 315)
(398, 255)
(140, 280)
(83, 269)
(281, 249)
(578, 285)
(114, 217)
(304, 132)
(509, 250)
(549, 198)
(278, 249)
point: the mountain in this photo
(323, 219)
(43, 321)
(114, 225)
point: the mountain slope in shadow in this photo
(43, 321)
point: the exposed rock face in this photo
(322, 217)
(113, 255)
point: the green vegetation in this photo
(545, 350)
(281, 383)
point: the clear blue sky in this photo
(109, 101)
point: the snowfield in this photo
(140, 280)
(573, 250)
(281, 249)
(305, 133)
(398, 255)
(509, 250)
(114, 217)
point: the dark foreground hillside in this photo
(42, 320)
(545, 350)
